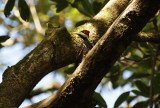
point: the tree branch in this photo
(52, 86)
(147, 37)
(77, 90)
(56, 50)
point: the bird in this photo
(84, 34)
(85, 46)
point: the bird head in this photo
(84, 34)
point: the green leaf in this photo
(138, 75)
(143, 88)
(60, 4)
(8, 8)
(100, 101)
(115, 82)
(84, 7)
(70, 70)
(142, 104)
(87, 6)
(4, 38)
(156, 83)
(97, 6)
(138, 93)
(136, 57)
(149, 27)
(123, 97)
(23, 10)
(130, 99)
(157, 106)
(115, 69)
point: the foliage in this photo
(9, 7)
(121, 98)
(136, 61)
(22, 6)
(100, 101)
(24, 10)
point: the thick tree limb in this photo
(77, 90)
(147, 37)
(56, 50)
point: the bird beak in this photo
(82, 35)
(76, 33)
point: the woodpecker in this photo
(85, 46)
(84, 34)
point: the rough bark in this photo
(78, 89)
(147, 37)
(19, 80)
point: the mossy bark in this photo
(56, 50)
(78, 89)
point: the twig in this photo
(153, 66)
(152, 78)
(147, 37)
(139, 48)
(52, 86)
